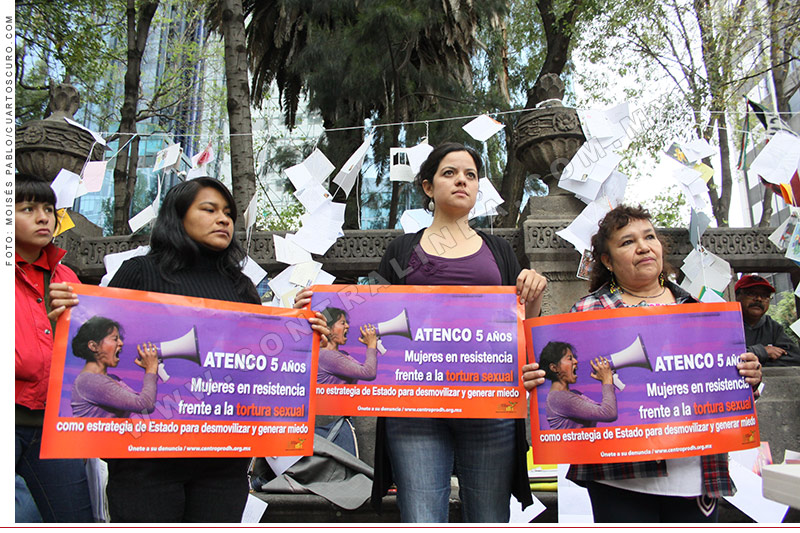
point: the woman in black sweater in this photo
(192, 253)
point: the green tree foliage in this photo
(785, 313)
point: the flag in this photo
(769, 119)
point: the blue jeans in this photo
(423, 452)
(58, 486)
(25, 510)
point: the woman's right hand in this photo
(532, 377)
(318, 322)
(369, 335)
(61, 297)
(148, 357)
(601, 370)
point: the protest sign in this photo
(445, 352)
(235, 379)
(677, 391)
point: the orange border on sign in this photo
(511, 405)
(261, 439)
(583, 448)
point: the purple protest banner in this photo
(443, 351)
(234, 380)
(676, 390)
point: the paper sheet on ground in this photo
(574, 505)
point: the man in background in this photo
(764, 336)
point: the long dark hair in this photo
(617, 218)
(173, 250)
(95, 329)
(552, 354)
(429, 167)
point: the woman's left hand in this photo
(750, 369)
(530, 289)
(532, 377)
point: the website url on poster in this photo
(217, 449)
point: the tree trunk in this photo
(766, 208)
(239, 119)
(722, 208)
(124, 181)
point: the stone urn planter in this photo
(44, 147)
(547, 138)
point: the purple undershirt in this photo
(337, 367)
(479, 268)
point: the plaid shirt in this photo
(716, 479)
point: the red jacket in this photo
(33, 344)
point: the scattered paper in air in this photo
(399, 165)
(418, 154)
(706, 172)
(65, 186)
(579, 232)
(783, 233)
(346, 177)
(305, 273)
(611, 191)
(591, 162)
(203, 158)
(413, 220)
(698, 224)
(324, 278)
(488, 200)
(483, 127)
(313, 196)
(698, 149)
(253, 270)
(318, 165)
(606, 126)
(112, 262)
(288, 252)
(251, 213)
(93, 174)
(64, 222)
(299, 176)
(778, 160)
(97, 137)
(142, 218)
(168, 157)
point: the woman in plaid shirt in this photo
(628, 271)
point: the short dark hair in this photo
(172, 248)
(333, 314)
(429, 167)
(552, 354)
(617, 218)
(31, 189)
(95, 329)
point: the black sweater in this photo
(202, 280)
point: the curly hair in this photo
(617, 218)
(95, 329)
(552, 354)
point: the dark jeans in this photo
(58, 486)
(611, 504)
(177, 490)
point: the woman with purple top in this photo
(336, 366)
(95, 392)
(569, 409)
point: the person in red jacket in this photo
(49, 490)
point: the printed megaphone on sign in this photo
(633, 355)
(395, 326)
(184, 347)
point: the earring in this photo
(614, 287)
(431, 206)
(661, 279)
